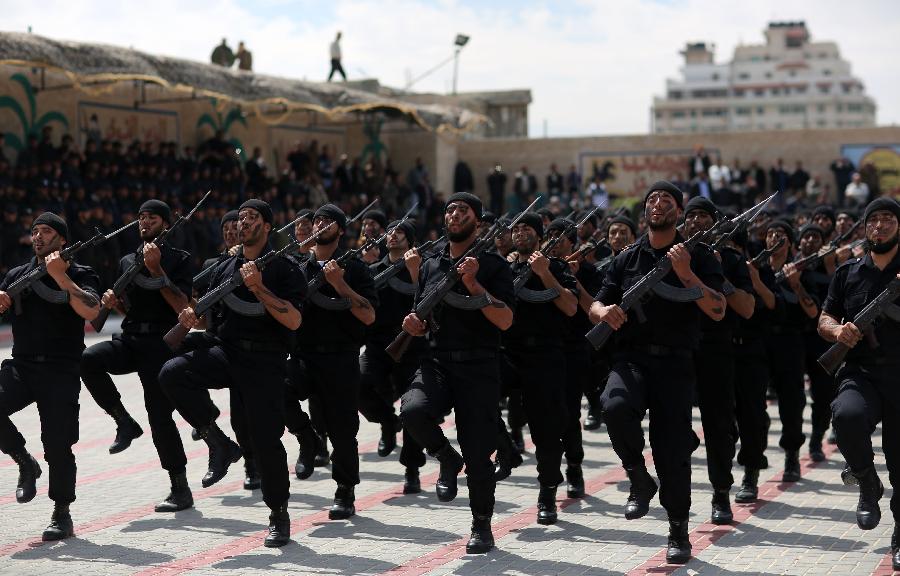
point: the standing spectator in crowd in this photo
(843, 169)
(555, 183)
(597, 194)
(525, 186)
(417, 180)
(814, 191)
(701, 186)
(759, 178)
(336, 59)
(222, 55)
(869, 175)
(798, 180)
(496, 181)
(244, 58)
(738, 175)
(573, 182)
(699, 162)
(779, 179)
(719, 174)
(857, 192)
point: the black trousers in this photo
(54, 387)
(578, 376)
(334, 379)
(259, 378)
(381, 382)
(714, 366)
(865, 397)
(786, 368)
(144, 354)
(540, 374)
(197, 340)
(471, 388)
(336, 67)
(662, 384)
(822, 386)
(751, 378)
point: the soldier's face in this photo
(810, 243)
(371, 228)
(843, 224)
(252, 229)
(661, 210)
(697, 221)
(45, 240)
(230, 234)
(563, 248)
(823, 222)
(320, 223)
(524, 238)
(881, 229)
(620, 236)
(460, 221)
(303, 229)
(396, 240)
(773, 236)
(150, 225)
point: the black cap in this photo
(307, 214)
(784, 225)
(622, 219)
(665, 186)
(701, 203)
(534, 220)
(378, 216)
(812, 228)
(560, 225)
(408, 229)
(827, 211)
(52, 220)
(472, 200)
(158, 208)
(260, 206)
(230, 216)
(332, 212)
(882, 203)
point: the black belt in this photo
(535, 342)
(662, 350)
(145, 328)
(464, 355)
(257, 346)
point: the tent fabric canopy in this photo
(87, 63)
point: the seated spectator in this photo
(857, 192)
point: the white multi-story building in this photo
(786, 83)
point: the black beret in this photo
(545, 213)
(408, 228)
(378, 216)
(260, 206)
(306, 213)
(812, 228)
(784, 225)
(882, 203)
(827, 211)
(157, 207)
(849, 212)
(622, 219)
(52, 220)
(472, 200)
(230, 216)
(664, 186)
(332, 212)
(534, 220)
(560, 225)
(701, 203)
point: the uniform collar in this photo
(894, 264)
(644, 242)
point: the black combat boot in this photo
(60, 524)
(791, 466)
(593, 419)
(518, 439)
(847, 476)
(222, 453)
(279, 528)
(546, 505)
(815, 446)
(322, 457)
(344, 500)
(482, 539)
(643, 489)
(574, 481)
(180, 497)
(507, 458)
(127, 430)
(679, 549)
(451, 465)
(195, 435)
(721, 508)
(29, 472)
(388, 441)
(868, 513)
(749, 487)
(308, 440)
(895, 548)
(411, 483)
(252, 480)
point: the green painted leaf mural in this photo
(218, 122)
(27, 119)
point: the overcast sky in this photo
(593, 66)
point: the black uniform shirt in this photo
(45, 329)
(283, 278)
(393, 306)
(591, 279)
(542, 323)
(856, 283)
(466, 329)
(758, 326)
(734, 266)
(336, 330)
(149, 305)
(673, 324)
(792, 319)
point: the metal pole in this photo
(455, 68)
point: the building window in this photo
(760, 110)
(742, 111)
(840, 107)
(739, 93)
(743, 76)
(800, 89)
(826, 72)
(693, 113)
(759, 92)
(768, 74)
(821, 123)
(848, 88)
(715, 76)
(824, 88)
(792, 73)
(776, 92)
(678, 114)
(674, 95)
(821, 108)
(852, 107)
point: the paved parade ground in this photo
(803, 528)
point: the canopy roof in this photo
(87, 63)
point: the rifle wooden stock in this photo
(399, 346)
(175, 336)
(101, 319)
(832, 359)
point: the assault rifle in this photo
(523, 277)
(204, 275)
(382, 278)
(761, 258)
(435, 296)
(813, 260)
(831, 360)
(599, 334)
(137, 266)
(175, 336)
(68, 254)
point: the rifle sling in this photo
(48, 294)
(728, 289)
(331, 304)
(463, 302)
(244, 307)
(405, 288)
(537, 296)
(892, 311)
(676, 294)
(150, 283)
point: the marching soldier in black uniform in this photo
(382, 380)
(256, 323)
(460, 370)
(325, 361)
(653, 362)
(48, 338)
(533, 360)
(785, 347)
(373, 226)
(150, 308)
(714, 362)
(867, 382)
